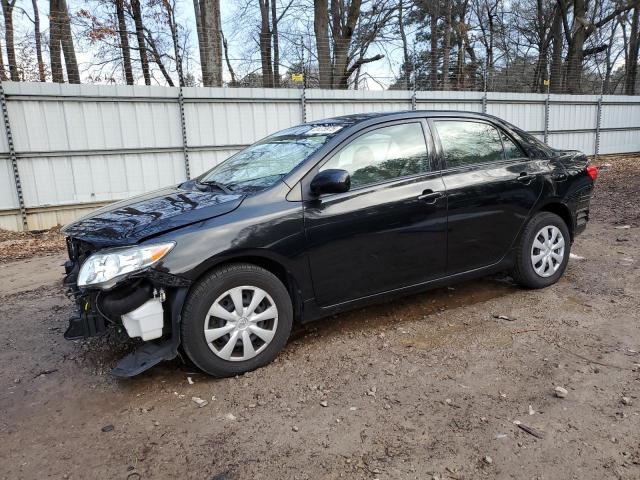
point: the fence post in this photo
(303, 94)
(598, 122)
(14, 158)
(183, 124)
(484, 95)
(413, 83)
(546, 114)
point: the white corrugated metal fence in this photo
(81, 146)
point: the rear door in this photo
(491, 188)
(388, 230)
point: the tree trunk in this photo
(124, 42)
(234, 81)
(7, 10)
(575, 55)
(446, 49)
(460, 64)
(205, 65)
(632, 60)
(38, 38)
(434, 46)
(173, 28)
(540, 72)
(211, 25)
(556, 53)
(342, 35)
(158, 59)
(3, 74)
(54, 42)
(407, 64)
(144, 60)
(66, 38)
(276, 44)
(321, 29)
(265, 44)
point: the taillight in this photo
(592, 171)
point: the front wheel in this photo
(543, 252)
(236, 319)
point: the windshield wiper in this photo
(218, 185)
(279, 175)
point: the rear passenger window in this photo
(468, 143)
(511, 150)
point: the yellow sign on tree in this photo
(546, 82)
(297, 77)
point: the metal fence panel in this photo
(225, 116)
(8, 196)
(81, 146)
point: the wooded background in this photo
(565, 46)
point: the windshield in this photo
(264, 163)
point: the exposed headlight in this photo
(101, 268)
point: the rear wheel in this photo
(236, 319)
(543, 251)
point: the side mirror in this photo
(333, 180)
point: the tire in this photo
(543, 273)
(221, 351)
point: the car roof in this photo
(355, 119)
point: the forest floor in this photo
(430, 386)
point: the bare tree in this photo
(209, 29)
(232, 73)
(7, 11)
(124, 41)
(583, 25)
(631, 61)
(61, 38)
(407, 63)
(434, 16)
(265, 43)
(38, 41)
(343, 57)
(446, 49)
(321, 29)
(3, 73)
(136, 13)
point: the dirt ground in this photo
(426, 387)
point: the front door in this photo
(491, 188)
(388, 230)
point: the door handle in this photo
(524, 177)
(429, 196)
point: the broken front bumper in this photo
(147, 304)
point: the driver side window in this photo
(383, 154)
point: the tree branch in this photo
(361, 62)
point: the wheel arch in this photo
(265, 260)
(562, 210)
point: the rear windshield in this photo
(264, 163)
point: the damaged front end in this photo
(111, 291)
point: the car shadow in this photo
(376, 317)
(407, 309)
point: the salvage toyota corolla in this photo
(317, 219)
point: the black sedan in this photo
(317, 219)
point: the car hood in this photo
(132, 220)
